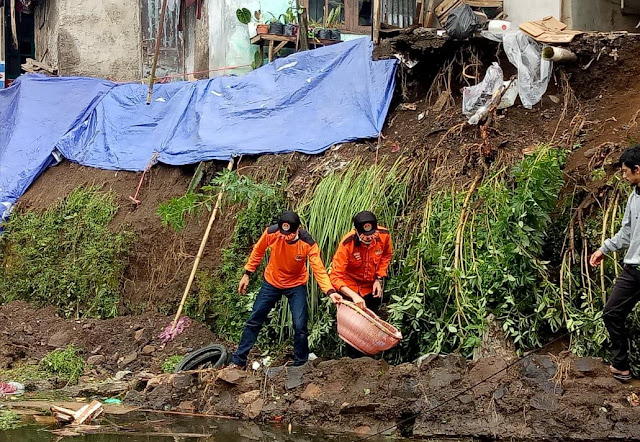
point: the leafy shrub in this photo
(66, 256)
(169, 365)
(66, 364)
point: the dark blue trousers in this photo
(264, 303)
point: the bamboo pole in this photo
(376, 20)
(156, 51)
(202, 245)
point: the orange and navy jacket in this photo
(357, 265)
(287, 265)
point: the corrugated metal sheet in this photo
(398, 12)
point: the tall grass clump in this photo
(328, 211)
(258, 205)
(66, 256)
(479, 253)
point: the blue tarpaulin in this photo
(305, 103)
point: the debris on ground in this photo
(82, 416)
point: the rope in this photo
(184, 74)
(510, 365)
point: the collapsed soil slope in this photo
(542, 397)
(591, 106)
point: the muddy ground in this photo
(544, 397)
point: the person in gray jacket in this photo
(626, 290)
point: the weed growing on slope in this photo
(66, 364)
(66, 256)
(9, 420)
(169, 365)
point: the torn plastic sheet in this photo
(534, 72)
(476, 97)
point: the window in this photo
(354, 15)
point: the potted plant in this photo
(276, 27)
(259, 27)
(290, 18)
(332, 23)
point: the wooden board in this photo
(485, 3)
(445, 6)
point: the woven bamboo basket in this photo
(364, 330)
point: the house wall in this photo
(98, 38)
(600, 15)
(583, 15)
(520, 11)
(229, 43)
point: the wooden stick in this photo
(303, 26)
(182, 413)
(431, 9)
(14, 27)
(157, 50)
(202, 245)
(376, 20)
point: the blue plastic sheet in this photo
(305, 103)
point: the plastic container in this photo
(364, 330)
(276, 28)
(499, 26)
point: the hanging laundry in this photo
(184, 5)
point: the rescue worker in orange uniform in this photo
(286, 275)
(360, 264)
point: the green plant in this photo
(169, 365)
(66, 256)
(237, 188)
(9, 420)
(67, 364)
(333, 18)
(23, 373)
(328, 210)
(479, 252)
(243, 15)
(217, 300)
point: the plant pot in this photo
(262, 29)
(335, 34)
(290, 30)
(276, 28)
(322, 34)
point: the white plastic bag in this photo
(479, 96)
(534, 72)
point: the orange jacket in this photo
(357, 265)
(287, 265)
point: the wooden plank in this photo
(485, 3)
(67, 405)
(270, 51)
(445, 5)
(88, 413)
(377, 9)
(280, 46)
(430, 13)
(443, 17)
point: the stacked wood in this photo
(83, 416)
(38, 67)
(425, 9)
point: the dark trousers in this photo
(624, 296)
(264, 303)
(372, 304)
